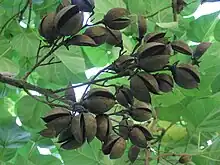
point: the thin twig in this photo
(147, 156)
(29, 14)
(51, 63)
(38, 51)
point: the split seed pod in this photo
(185, 159)
(141, 113)
(199, 51)
(97, 33)
(69, 20)
(114, 38)
(70, 93)
(104, 127)
(124, 128)
(115, 147)
(186, 76)
(124, 96)
(63, 4)
(82, 40)
(122, 63)
(133, 153)
(139, 89)
(165, 82)
(154, 37)
(47, 28)
(99, 100)
(142, 26)
(117, 18)
(140, 136)
(84, 5)
(181, 47)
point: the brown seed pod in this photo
(181, 47)
(186, 76)
(114, 38)
(71, 144)
(137, 137)
(185, 159)
(153, 63)
(82, 40)
(201, 49)
(55, 113)
(124, 96)
(124, 128)
(97, 33)
(147, 133)
(99, 101)
(142, 26)
(115, 147)
(70, 93)
(122, 63)
(65, 135)
(47, 28)
(48, 133)
(59, 124)
(133, 153)
(165, 82)
(141, 114)
(154, 37)
(104, 127)
(139, 89)
(63, 4)
(150, 49)
(117, 18)
(150, 82)
(90, 126)
(77, 128)
(69, 20)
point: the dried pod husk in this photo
(117, 18)
(69, 20)
(150, 49)
(147, 133)
(65, 135)
(165, 82)
(133, 153)
(115, 147)
(90, 126)
(70, 93)
(124, 96)
(47, 28)
(55, 113)
(153, 63)
(63, 4)
(139, 89)
(82, 40)
(114, 38)
(99, 100)
(71, 144)
(181, 47)
(77, 128)
(97, 33)
(137, 137)
(140, 114)
(104, 127)
(124, 128)
(186, 76)
(142, 26)
(59, 124)
(48, 133)
(84, 5)
(185, 159)
(201, 49)
(150, 82)
(154, 37)
(122, 63)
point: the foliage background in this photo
(195, 114)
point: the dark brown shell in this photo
(150, 49)
(124, 96)
(142, 26)
(117, 18)
(104, 127)
(70, 93)
(201, 49)
(185, 159)
(118, 149)
(133, 153)
(63, 4)
(90, 126)
(48, 132)
(114, 38)
(100, 92)
(69, 20)
(139, 89)
(181, 47)
(97, 33)
(146, 132)
(65, 135)
(77, 128)
(71, 144)
(124, 128)
(165, 82)
(55, 113)
(137, 137)
(153, 36)
(82, 40)
(153, 63)
(141, 114)
(122, 63)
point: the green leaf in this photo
(136, 8)
(30, 112)
(5, 106)
(8, 66)
(202, 28)
(216, 31)
(26, 44)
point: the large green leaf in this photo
(217, 32)
(6, 65)
(202, 28)
(30, 112)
